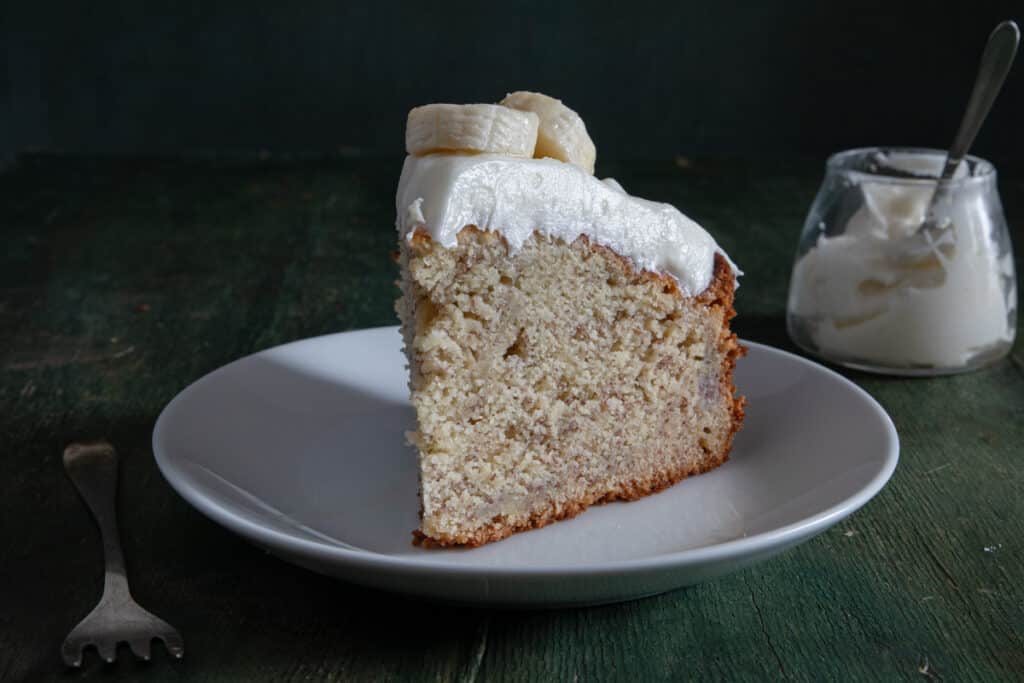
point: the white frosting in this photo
(880, 292)
(443, 193)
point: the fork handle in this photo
(92, 468)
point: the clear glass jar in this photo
(872, 291)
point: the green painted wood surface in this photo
(121, 282)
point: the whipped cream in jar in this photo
(872, 291)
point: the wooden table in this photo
(122, 282)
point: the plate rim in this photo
(748, 546)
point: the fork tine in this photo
(173, 642)
(71, 651)
(141, 647)
(107, 650)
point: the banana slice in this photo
(562, 134)
(471, 128)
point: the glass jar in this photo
(871, 290)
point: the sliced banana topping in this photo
(478, 128)
(562, 134)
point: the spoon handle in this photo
(995, 64)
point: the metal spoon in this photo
(996, 60)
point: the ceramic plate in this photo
(300, 449)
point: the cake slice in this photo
(568, 344)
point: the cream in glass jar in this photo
(872, 291)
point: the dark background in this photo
(651, 80)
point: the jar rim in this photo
(981, 170)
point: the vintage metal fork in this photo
(117, 618)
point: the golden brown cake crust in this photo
(634, 490)
(719, 293)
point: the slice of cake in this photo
(568, 344)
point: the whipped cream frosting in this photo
(880, 292)
(443, 193)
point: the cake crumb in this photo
(555, 377)
(926, 670)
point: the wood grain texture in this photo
(121, 282)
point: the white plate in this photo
(300, 449)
